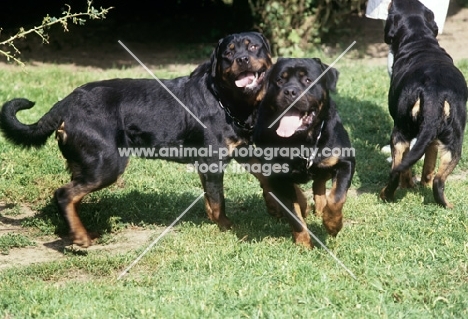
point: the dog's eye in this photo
(253, 47)
(228, 54)
(308, 80)
(280, 81)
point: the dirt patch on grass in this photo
(53, 248)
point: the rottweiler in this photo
(427, 100)
(100, 118)
(312, 139)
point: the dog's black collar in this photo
(310, 159)
(237, 122)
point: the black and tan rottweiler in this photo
(427, 100)
(313, 126)
(99, 118)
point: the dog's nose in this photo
(290, 91)
(243, 60)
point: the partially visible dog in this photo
(98, 118)
(427, 100)
(313, 126)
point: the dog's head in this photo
(239, 63)
(408, 17)
(289, 81)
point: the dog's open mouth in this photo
(294, 121)
(249, 79)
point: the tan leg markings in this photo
(446, 166)
(214, 214)
(329, 162)
(213, 210)
(332, 214)
(406, 179)
(320, 199)
(430, 159)
(78, 232)
(208, 209)
(302, 200)
(302, 237)
(272, 205)
(399, 151)
(232, 144)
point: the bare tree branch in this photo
(47, 22)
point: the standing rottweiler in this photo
(427, 100)
(98, 118)
(312, 139)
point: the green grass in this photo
(410, 257)
(12, 240)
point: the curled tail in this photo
(22, 134)
(434, 112)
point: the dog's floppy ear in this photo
(266, 84)
(391, 27)
(430, 21)
(214, 58)
(331, 76)
(265, 42)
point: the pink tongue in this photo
(245, 80)
(289, 123)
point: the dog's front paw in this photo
(387, 196)
(332, 221)
(303, 239)
(224, 223)
(82, 239)
(272, 206)
(449, 206)
(426, 180)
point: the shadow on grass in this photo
(418, 189)
(106, 213)
(255, 224)
(369, 126)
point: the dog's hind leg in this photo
(70, 195)
(406, 176)
(399, 149)
(430, 159)
(68, 199)
(214, 199)
(92, 169)
(448, 161)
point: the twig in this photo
(77, 18)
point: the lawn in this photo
(410, 257)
